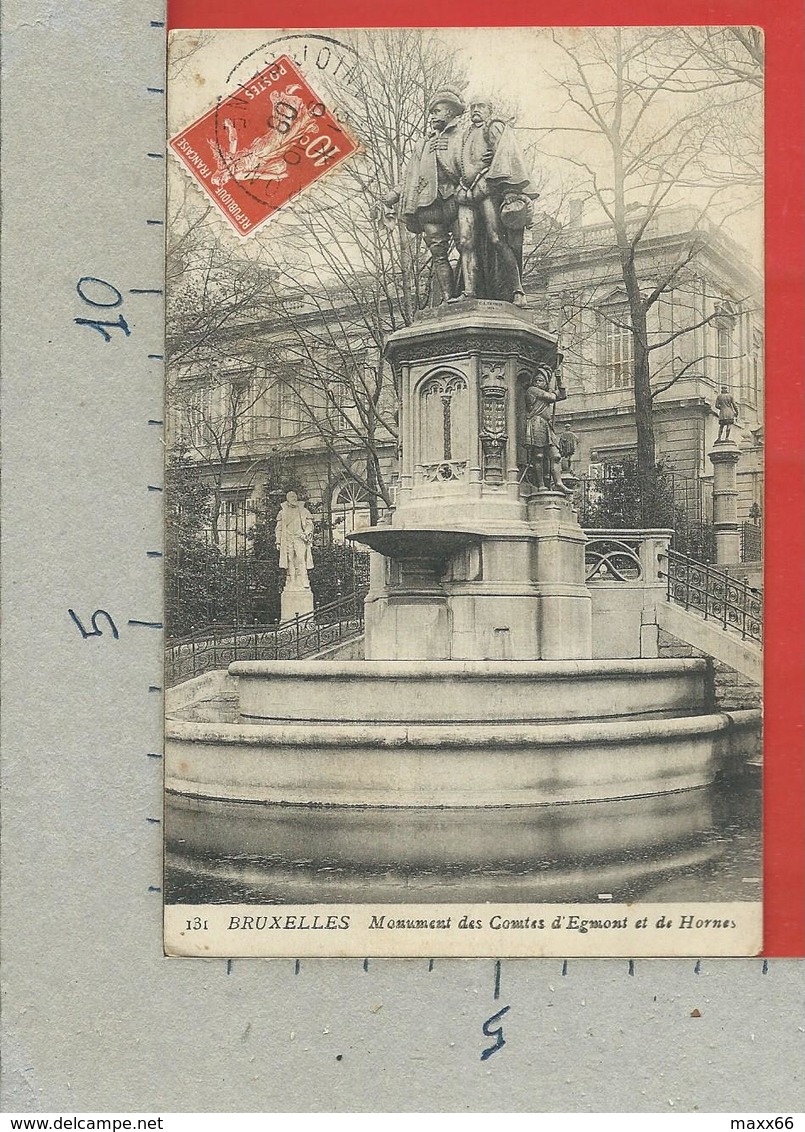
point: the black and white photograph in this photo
(464, 483)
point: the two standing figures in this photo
(467, 183)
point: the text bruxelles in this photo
(287, 923)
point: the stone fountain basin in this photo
(453, 764)
(392, 837)
(460, 733)
(531, 853)
(446, 692)
(405, 544)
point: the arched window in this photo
(443, 421)
(349, 509)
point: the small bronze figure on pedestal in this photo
(727, 413)
(568, 443)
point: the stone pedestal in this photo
(724, 457)
(475, 564)
(295, 601)
(462, 371)
(513, 592)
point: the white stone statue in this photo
(294, 539)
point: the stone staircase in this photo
(718, 613)
(733, 690)
(708, 638)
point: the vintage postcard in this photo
(464, 492)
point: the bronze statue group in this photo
(467, 184)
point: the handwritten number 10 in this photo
(98, 293)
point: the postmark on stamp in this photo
(262, 145)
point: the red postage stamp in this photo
(262, 145)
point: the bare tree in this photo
(307, 304)
(342, 273)
(727, 56)
(211, 411)
(645, 131)
(211, 390)
(343, 392)
(213, 288)
(727, 64)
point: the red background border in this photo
(782, 21)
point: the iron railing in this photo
(712, 593)
(616, 488)
(612, 559)
(751, 542)
(627, 557)
(217, 646)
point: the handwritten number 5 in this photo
(492, 1031)
(95, 631)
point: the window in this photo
(272, 410)
(725, 321)
(666, 313)
(289, 410)
(233, 523)
(756, 367)
(337, 402)
(197, 415)
(242, 398)
(723, 357)
(617, 352)
(607, 462)
(260, 413)
(350, 509)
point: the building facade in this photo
(315, 407)
(705, 332)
